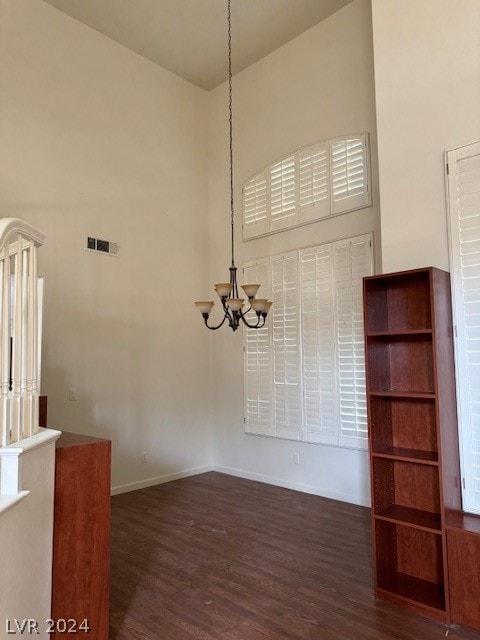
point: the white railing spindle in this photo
(5, 349)
(25, 397)
(31, 372)
(18, 313)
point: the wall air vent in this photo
(103, 246)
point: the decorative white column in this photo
(10, 471)
(20, 326)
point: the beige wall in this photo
(99, 141)
(26, 536)
(427, 82)
(318, 86)
(96, 140)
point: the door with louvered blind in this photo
(463, 180)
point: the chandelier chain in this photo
(233, 312)
(230, 121)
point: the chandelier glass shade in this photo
(235, 308)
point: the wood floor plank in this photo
(215, 557)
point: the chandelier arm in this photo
(225, 317)
(259, 324)
(243, 313)
(253, 326)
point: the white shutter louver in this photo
(352, 262)
(286, 351)
(318, 345)
(349, 174)
(255, 206)
(282, 193)
(258, 361)
(313, 191)
(464, 206)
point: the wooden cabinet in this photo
(463, 543)
(412, 435)
(81, 544)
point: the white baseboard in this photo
(168, 477)
(305, 488)
(240, 473)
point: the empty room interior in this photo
(240, 319)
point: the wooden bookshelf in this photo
(412, 435)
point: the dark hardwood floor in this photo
(217, 557)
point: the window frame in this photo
(338, 439)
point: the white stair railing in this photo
(20, 330)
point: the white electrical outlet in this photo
(143, 457)
(72, 395)
(296, 457)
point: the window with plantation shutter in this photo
(463, 180)
(314, 342)
(282, 193)
(313, 174)
(352, 261)
(325, 179)
(349, 174)
(318, 344)
(285, 346)
(255, 205)
(258, 359)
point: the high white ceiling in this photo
(188, 37)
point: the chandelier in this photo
(234, 312)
